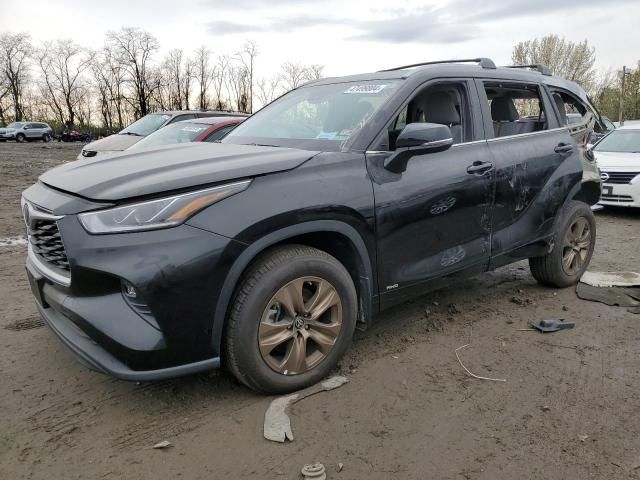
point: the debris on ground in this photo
(473, 374)
(583, 438)
(315, 471)
(635, 310)
(162, 445)
(612, 296)
(611, 279)
(548, 326)
(453, 309)
(521, 301)
(277, 424)
(340, 466)
(545, 408)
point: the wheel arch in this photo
(588, 193)
(338, 239)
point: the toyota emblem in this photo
(604, 176)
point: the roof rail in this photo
(535, 66)
(483, 62)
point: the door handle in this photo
(479, 167)
(563, 148)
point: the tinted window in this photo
(627, 141)
(321, 117)
(180, 118)
(220, 133)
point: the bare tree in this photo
(247, 56)
(573, 61)
(315, 71)
(238, 86)
(134, 49)
(219, 75)
(63, 63)
(268, 90)
(292, 75)
(15, 50)
(203, 73)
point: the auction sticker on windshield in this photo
(365, 89)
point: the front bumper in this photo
(7, 136)
(178, 273)
(621, 195)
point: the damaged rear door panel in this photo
(537, 169)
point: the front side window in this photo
(621, 141)
(516, 109)
(173, 133)
(146, 125)
(445, 104)
(317, 117)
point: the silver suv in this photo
(23, 131)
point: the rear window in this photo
(181, 132)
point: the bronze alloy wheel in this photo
(300, 325)
(575, 248)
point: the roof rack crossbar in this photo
(483, 62)
(535, 66)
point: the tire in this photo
(46, 138)
(20, 138)
(258, 317)
(570, 257)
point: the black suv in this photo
(347, 195)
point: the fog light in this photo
(129, 290)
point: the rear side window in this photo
(516, 109)
(219, 134)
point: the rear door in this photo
(433, 219)
(536, 160)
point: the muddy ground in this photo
(569, 409)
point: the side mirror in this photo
(26, 127)
(418, 139)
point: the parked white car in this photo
(618, 156)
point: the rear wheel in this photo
(46, 138)
(570, 257)
(293, 318)
(20, 138)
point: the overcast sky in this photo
(345, 36)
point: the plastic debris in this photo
(315, 471)
(583, 437)
(612, 296)
(163, 444)
(277, 424)
(548, 326)
(340, 466)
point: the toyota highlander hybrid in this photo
(264, 252)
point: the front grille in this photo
(617, 198)
(619, 177)
(46, 242)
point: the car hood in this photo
(618, 160)
(184, 166)
(113, 143)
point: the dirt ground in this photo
(569, 409)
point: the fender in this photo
(254, 249)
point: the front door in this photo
(434, 219)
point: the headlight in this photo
(154, 214)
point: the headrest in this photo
(436, 107)
(503, 110)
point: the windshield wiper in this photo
(132, 133)
(261, 145)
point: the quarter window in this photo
(516, 109)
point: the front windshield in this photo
(146, 125)
(16, 125)
(320, 117)
(626, 141)
(180, 132)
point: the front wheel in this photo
(20, 138)
(293, 318)
(570, 257)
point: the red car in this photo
(208, 129)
